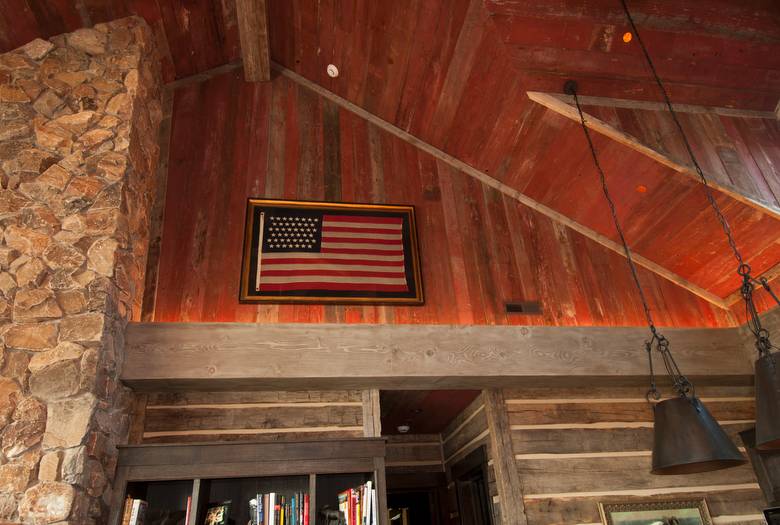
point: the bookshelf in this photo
(166, 475)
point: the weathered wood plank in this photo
(372, 414)
(158, 455)
(508, 485)
(594, 440)
(612, 392)
(218, 398)
(560, 413)
(405, 452)
(295, 434)
(168, 419)
(253, 32)
(196, 356)
(554, 476)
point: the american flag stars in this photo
(291, 232)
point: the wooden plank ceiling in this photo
(455, 75)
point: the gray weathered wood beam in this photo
(253, 31)
(214, 356)
(510, 488)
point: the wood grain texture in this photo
(479, 248)
(372, 422)
(466, 432)
(240, 416)
(414, 453)
(197, 355)
(252, 16)
(508, 483)
(575, 447)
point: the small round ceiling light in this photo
(332, 70)
(641, 188)
(403, 429)
(627, 37)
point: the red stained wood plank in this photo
(480, 249)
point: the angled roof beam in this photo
(560, 104)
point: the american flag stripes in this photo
(306, 252)
(332, 252)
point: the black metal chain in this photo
(763, 344)
(707, 190)
(657, 341)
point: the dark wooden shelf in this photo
(220, 471)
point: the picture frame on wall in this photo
(324, 252)
(671, 512)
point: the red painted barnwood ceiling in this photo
(479, 248)
(456, 73)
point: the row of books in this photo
(359, 506)
(279, 509)
(134, 512)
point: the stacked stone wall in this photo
(79, 117)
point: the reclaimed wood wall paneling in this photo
(479, 248)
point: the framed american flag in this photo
(318, 252)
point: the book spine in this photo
(189, 507)
(306, 509)
(272, 509)
(128, 509)
(134, 513)
(374, 512)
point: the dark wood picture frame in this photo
(258, 215)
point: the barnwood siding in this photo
(576, 447)
(232, 140)
(230, 416)
(414, 453)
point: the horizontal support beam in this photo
(236, 356)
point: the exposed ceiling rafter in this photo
(559, 104)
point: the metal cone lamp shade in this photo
(687, 439)
(768, 402)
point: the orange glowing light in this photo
(641, 188)
(627, 37)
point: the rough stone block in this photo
(68, 421)
(47, 502)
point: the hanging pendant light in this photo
(768, 363)
(686, 438)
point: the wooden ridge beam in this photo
(560, 104)
(252, 18)
(501, 187)
(237, 356)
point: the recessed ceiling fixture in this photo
(686, 438)
(332, 70)
(627, 37)
(767, 371)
